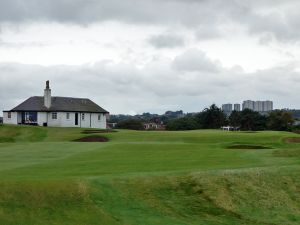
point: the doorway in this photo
(76, 118)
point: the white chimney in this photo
(47, 95)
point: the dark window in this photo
(76, 118)
(29, 117)
(99, 116)
(82, 116)
(9, 115)
(54, 116)
(68, 116)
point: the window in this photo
(30, 117)
(82, 116)
(9, 115)
(68, 116)
(54, 116)
(99, 116)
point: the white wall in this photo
(86, 122)
(99, 123)
(62, 120)
(90, 119)
(41, 118)
(12, 120)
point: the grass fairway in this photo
(143, 178)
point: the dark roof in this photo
(59, 104)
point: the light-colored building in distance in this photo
(258, 106)
(268, 105)
(248, 104)
(237, 107)
(227, 108)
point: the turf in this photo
(138, 177)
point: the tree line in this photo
(212, 118)
(247, 120)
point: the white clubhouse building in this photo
(57, 112)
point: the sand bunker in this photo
(248, 147)
(293, 140)
(97, 131)
(92, 139)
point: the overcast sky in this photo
(134, 56)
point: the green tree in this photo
(211, 118)
(235, 119)
(280, 120)
(185, 123)
(251, 120)
(132, 124)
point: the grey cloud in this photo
(81, 11)
(208, 17)
(195, 60)
(207, 32)
(166, 41)
(269, 19)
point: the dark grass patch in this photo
(92, 139)
(6, 140)
(248, 147)
(98, 131)
(292, 140)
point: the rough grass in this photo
(49, 203)
(233, 197)
(148, 177)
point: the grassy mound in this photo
(250, 196)
(244, 197)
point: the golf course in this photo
(65, 176)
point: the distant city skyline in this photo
(257, 106)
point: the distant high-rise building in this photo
(248, 104)
(268, 106)
(227, 108)
(237, 107)
(258, 106)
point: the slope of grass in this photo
(230, 197)
(139, 177)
